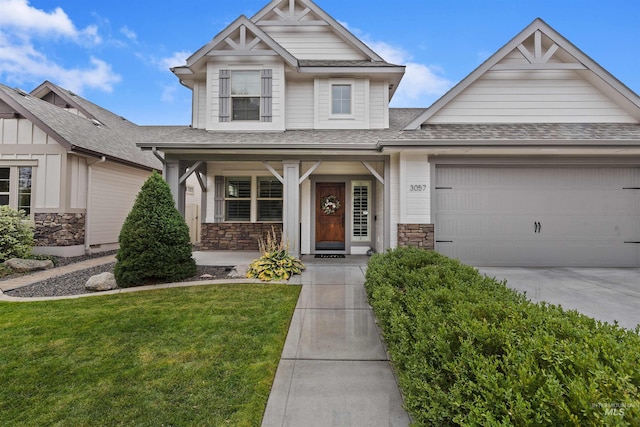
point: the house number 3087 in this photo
(417, 188)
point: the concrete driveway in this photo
(606, 294)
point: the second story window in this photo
(245, 95)
(341, 99)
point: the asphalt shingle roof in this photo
(115, 137)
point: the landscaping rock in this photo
(239, 272)
(21, 265)
(206, 276)
(101, 282)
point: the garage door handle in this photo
(537, 227)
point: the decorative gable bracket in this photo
(539, 59)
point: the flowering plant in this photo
(330, 204)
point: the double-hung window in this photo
(245, 95)
(15, 187)
(251, 198)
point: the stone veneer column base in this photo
(235, 236)
(417, 235)
(55, 229)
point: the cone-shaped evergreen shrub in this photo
(154, 240)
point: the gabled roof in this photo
(101, 133)
(250, 38)
(302, 12)
(573, 58)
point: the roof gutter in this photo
(258, 146)
(92, 153)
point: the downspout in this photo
(87, 245)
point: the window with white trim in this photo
(245, 95)
(269, 199)
(341, 99)
(237, 198)
(15, 187)
(251, 198)
(361, 218)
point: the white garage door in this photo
(532, 216)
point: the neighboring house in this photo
(533, 159)
(71, 165)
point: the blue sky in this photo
(118, 53)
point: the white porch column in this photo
(291, 205)
(171, 173)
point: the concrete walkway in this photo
(334, 370)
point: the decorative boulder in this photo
(101, 282)
(22, 265)
(239, 272)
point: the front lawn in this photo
(184, 356)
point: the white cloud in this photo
(421, 85)
(20, 15)
(175, 60)
(23, 58)
(22, 63)
(129, 33)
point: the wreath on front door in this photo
(330, 204)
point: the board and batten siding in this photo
(531, 96)
(278, 95)
(415, 188)
(22, 139)
(113, 190)
(300, 103)
(313, 43)
(22, 131)
(78, 171)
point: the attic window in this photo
(96, 122)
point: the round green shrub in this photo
(154, 241)
(16, 234)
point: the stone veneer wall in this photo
(52, 229)
(417, 235)
(240, 236)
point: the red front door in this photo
(330, 215)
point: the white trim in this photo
(342, 82)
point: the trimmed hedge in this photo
(470, 351)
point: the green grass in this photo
(202, 356)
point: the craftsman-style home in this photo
(533, 159)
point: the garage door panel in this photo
(488, 215)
